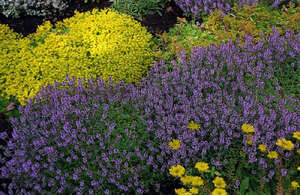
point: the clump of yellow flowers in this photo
(93, 44)
(195, 181)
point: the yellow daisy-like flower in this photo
(175, 144)
(298, 168)
(295, 184)
(285, 144)
(248, 128)
(262, 147)
(272, 154)
(193, 126)
(219, 182)
(298, 151)
(187, 179)
(201, 166)
(194, 190)
(197, 181)
(177, 171)
(219, 191)
(180, 191)
(296, 135)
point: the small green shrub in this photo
(139, 8)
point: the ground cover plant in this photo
(212, 119)
(95, 43)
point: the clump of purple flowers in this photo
(205, 7)
(220, 88)
(73, 139)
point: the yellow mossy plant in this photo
(94, 44)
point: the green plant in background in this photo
(139, 8)
(183, 36)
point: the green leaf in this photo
(244, 185)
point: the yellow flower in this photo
(298, 151)
(248, 128)
(295, 184)
(272, 154)
(201, 166)
(296, 135)
(219, 191)
(177, 171)
(194, 190)
(285, 144)
(175, 144)
(219, 182)
(197, 181)
(262, 147)
(193, 126)
(298, 168)
(180, 191)
(187, 179)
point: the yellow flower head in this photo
(296, 135)
(219, 182)
(272, 154)
(194, 190)
(285, 144)
(295, 184)
(187, 179)
(248, 128)
(262, 147)
(175, 144)
(298, 151)
(197, 181)
(177, 171)
(193, 126)
(180, 191)
(201, 166)
(219, 191)
(298, 168)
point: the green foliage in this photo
(183, 36)
(139, 8)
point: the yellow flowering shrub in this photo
(93, 44)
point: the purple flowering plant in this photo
(200, 8)
(220, 88)
(76, 139)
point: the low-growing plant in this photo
(200, 104)
(202, 8)
(252, 21)
(80, 140)
(199, 184)
(15, 8)
(140, 8)
(91, 44)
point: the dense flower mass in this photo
(79, 139)
(205, 7)
(220, 88)
(101, 43)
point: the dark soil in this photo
(26, 25)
